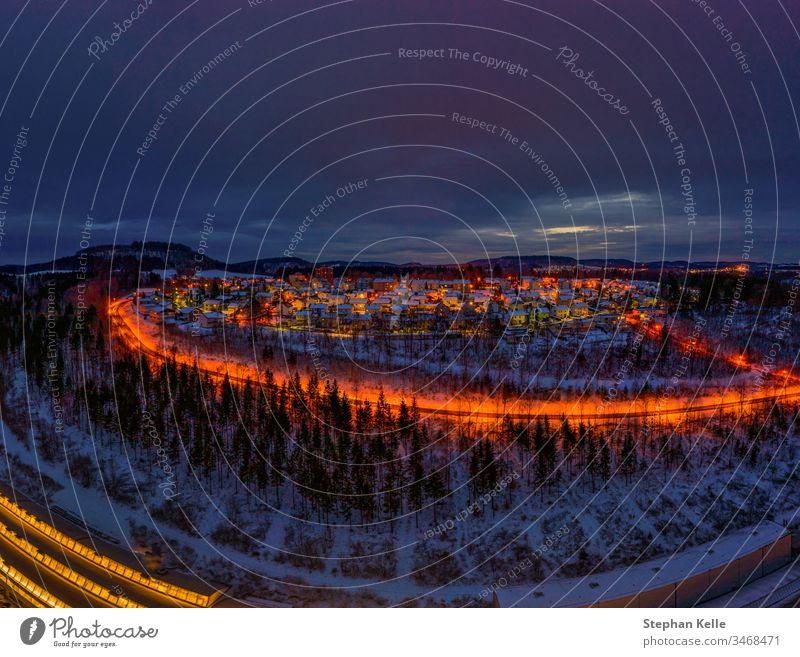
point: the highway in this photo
(61, 587)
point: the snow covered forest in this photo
(296, 491)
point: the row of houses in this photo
(395, 304)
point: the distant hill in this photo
(266, 265)
(152, 256)
(542, 261)
(147, 257)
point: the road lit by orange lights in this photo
(127, 328)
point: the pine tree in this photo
(568, 441)
(489, 470)
(416, 472)
(604, 469)
(591, 459)
(628, 457)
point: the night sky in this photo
(281, 107)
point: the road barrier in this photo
(66, 572)
(25, 588)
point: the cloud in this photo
(615, 202)
(570, 230)
(556, 231)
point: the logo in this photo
(31, 630)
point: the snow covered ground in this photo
(268, 548)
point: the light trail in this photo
(126, 321)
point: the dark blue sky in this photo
(312, 96)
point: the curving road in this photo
(129, 328)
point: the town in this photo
(362, 304)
